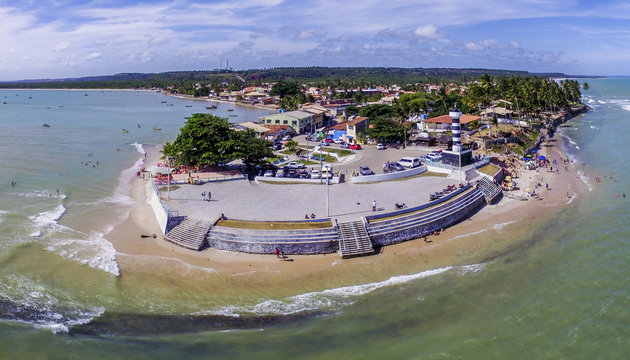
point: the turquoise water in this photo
(560, 290)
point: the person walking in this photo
(373, 205)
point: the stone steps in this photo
(190, 233)
(354, 239)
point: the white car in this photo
(380, 146)
(315, 174)
(296, 165)
(268, 173)
(434, 157)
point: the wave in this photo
(3, 214)
(595, 127)
(23, 300)
(95, 251)
(326, 299)
(468, 234)
(42, 194)
(46, 219)
(139, 147)
(500, 226)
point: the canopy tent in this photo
(541, 157)
(154, 170)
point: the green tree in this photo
(285, 88)
(385, 129)
(250, 149)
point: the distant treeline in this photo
(319, 76)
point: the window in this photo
(285, 122)
(294, 123)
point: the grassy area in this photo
(308, 162)
(272, 159)
(490, 169)
(340, 152)
(274, 225)
(288, 152)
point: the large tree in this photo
(208, 139)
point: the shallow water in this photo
(556, 289)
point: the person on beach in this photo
(547, 186)
(373, 205)
(278, 252)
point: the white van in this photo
(409, 162)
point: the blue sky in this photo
(65, 38)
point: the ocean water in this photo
(558, 289)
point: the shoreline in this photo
(208, 99)
(476, 237)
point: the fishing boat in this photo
(230, 109)
(45, 125)
(211, 107)
(163, 102)
(124, 131)
(233, 115)
(188, 105)
(138, 125)
(155, 128)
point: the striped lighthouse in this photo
(455, 114)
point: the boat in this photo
(188, 105)
(211, 107)
(230, 109)
(124, 131)
(169, 104)
(138, 125)
(233, 115)
(86, 94)
(163, 102)
(45, 125)
(155, 128)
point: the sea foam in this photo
(95, 251)
(332, 298)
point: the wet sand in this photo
(476, 239)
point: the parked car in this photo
(433, 157)
(409, 162)
(323, 143)
(380, 146)
(296, 165)
(304, 174)
(329, 140)
(315, 174)
(268, 173)
(364, 170)
(277, 146)
(345, 146)
(396, 166)
(327, 174)
(338, 141)
(355, 147)
(286, 138)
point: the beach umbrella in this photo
(528, 155)
(534, 151)
(528, 189)
(508, 178)
(541, 157)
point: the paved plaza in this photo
(248, 200)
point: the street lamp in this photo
(168, 178)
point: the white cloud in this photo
(515, 44)
(428, 31)
(482, 45)
(94, 55)
(308, 34)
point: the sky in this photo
(66, 38)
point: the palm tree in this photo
(585, 86)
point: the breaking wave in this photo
(95, 251)
(327, 299)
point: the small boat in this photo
(233, 115)
(169, 104)
(155, 128)
(230, 109)
(138, 125)
(45, 125)
(211, 107)
(86, 94)
(188, 105)
(4, 102)
(163, 102)
(124, 131)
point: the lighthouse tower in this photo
(457, 156)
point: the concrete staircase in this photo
(489, 189)
(354, 239)
(190, 233)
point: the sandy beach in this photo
(491, 230)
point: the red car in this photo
(329, 140)
(355, 147)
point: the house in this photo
(318, 111)
(443, 123)
(356, 126)
(301, 121)
(260, 130)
